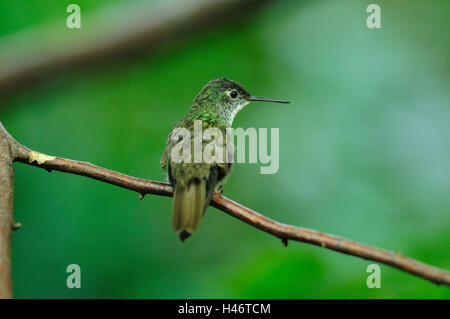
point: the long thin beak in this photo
(266, 99)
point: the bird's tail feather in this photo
(188, 208)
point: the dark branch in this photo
(282, 231)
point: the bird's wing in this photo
(169, 144)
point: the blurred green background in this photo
(364, 154)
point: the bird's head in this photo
(227, 97)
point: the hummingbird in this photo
(194, 182)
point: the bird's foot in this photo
(220, 190)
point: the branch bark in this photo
(6, 212)
(282, 231)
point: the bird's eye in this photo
(233, 94)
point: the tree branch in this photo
(147, 26)
(282, 231)
(6, 212)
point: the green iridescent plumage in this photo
(194, 183)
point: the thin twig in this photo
(282, 231)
